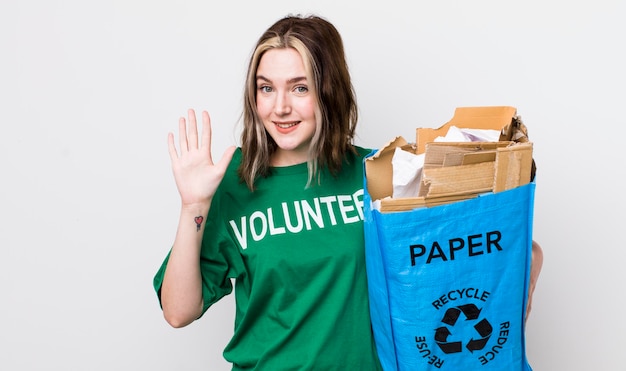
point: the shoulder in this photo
(361, 152)
(353, 161)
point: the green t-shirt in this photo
(297, 257)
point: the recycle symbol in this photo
(483, 330)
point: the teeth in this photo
(286, 126)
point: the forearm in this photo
(535, 269)
(181, 292)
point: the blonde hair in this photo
(319, 44)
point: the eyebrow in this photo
(290, 81)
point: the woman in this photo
(281, 215)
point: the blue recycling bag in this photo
(448, 284)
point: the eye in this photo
(265, 89)
(301, 89)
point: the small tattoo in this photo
(198, 220)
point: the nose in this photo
(282, 105)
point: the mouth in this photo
(286, 125)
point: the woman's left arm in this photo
(535, 269)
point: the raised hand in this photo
(196, 176)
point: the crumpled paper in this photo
(407, 167)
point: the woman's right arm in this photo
(197, 179)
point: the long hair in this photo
(320, 45)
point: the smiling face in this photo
(286, 104)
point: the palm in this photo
(196, 176)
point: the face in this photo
(286, 104)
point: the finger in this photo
(192, 138)
(182, 135)
(171, 147)
(226, 158)
(206, 134)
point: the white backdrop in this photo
(89, 90)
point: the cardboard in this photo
(494, 117)
(458, 170)
(379, 170)
(474, 167)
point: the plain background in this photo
(89, 91)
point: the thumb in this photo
(226, 157)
